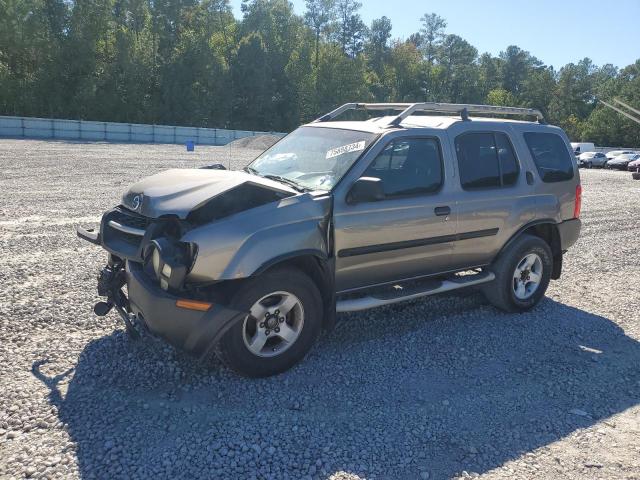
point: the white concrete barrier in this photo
(29, 127)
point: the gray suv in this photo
(341, 216)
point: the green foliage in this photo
(431, 35)
(500, 96)
(319, 15)
(190, 62)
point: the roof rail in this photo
(407, 109)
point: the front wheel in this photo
(523, 273)
(284, 321)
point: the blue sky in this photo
(555, 31)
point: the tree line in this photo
(191, 62)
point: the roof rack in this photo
(407, 109)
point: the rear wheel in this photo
(523, 273)
(284, 321)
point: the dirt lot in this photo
(440, 388)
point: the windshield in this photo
(315, 158)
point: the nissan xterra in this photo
(342, 216)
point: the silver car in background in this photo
(621, 162)
(592, 159)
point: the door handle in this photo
(529, 178)
(442, 211)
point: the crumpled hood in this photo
(179, 191)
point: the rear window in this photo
(551, 156)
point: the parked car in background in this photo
(592, 159)
(615, 153)
(582, 147)
(621, 162)
(634, 166)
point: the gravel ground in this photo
(439, 388)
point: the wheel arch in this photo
(316, 265)
(547, 230)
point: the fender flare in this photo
(525, 227)
(555, 249)
(323, 277)
(319, 254)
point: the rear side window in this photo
(486, 160)
(408, 167)
(551, 156)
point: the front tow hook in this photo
(110, 282)
(101, 309)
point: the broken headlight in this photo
(170, 261)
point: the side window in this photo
(408, 167)
(551, 156)
(486, 160)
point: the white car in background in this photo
(592, 159)
(614, 153)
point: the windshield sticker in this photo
(353, 147)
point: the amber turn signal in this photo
(194, 305)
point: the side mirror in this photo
(214, 166)
(366, 189)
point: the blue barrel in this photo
(191, 146)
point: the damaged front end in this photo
(175, 248)
(149, 262)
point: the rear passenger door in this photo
(494, 198)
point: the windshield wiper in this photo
(288, 181)
(278, 178)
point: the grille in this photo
(117, 239)
(130, 239)
(131, 219)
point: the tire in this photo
(589, 165)
(301, 324)
(505, 292)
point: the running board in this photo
(402, 294)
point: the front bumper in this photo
(193, 331)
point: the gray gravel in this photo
(440, 388)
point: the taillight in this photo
(578, 204)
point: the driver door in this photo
(407, 234)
